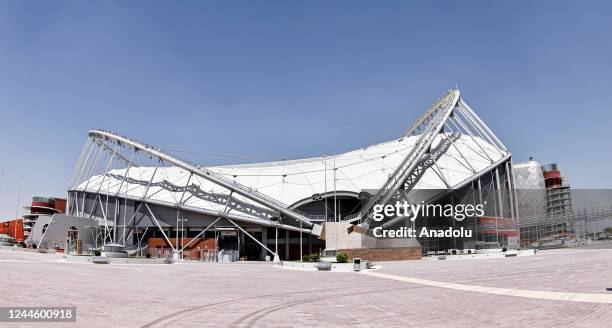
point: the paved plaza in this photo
(553, 288)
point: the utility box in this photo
(356, 264)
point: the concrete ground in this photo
(553, 288)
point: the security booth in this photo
(357, 264)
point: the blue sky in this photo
(268, 80)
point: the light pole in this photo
(18, 200)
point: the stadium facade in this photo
(127, 193)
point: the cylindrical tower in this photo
(558, 193)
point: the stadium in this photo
(127, 197)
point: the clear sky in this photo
(268, 80)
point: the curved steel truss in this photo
(437, 131)
(113, 168)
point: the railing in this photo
(352, 217)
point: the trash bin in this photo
(356, 264)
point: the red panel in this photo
(552, 174)
(60, 205)
(13, 228)
(42, 204)
(509, 233)
(493, 220)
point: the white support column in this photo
(106, 233)
(178, 208)
(516, 209)
(500, 207)
(76, 202)
(499, 193)
(510, 190)
(480, 202)
(154, 220)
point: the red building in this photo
(41, 206)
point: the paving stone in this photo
(261, 295)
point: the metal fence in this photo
(574, 228)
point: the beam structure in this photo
(448, 119)
(439, 130)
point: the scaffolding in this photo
(570, 228)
